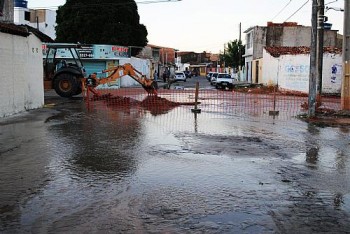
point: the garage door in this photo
(98, 67)
(94, 66)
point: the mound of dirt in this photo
(158, 101)
(154, 104)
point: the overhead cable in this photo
(330, 2)
(297, 10)
(282, 10)
(94, 5)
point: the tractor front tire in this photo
(66, 85)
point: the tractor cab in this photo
(63, 69)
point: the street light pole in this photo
(345, 91)
(239, 51)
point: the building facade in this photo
(288, 34)
(6, 11)
(152, 53)
(42, 19)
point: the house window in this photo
(27, 15)
(249, 40)
(256, 71)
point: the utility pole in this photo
(313, 62)
(320, 38)
(239, 51)
(345, 90)
(224, 55)
(37, 22)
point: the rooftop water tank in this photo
(21, 3)
(327, 26)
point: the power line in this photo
(297, 10)
(282, 10)
(93, 5)
(330, 2)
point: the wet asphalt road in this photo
(67, 169)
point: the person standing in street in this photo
(164, 76)
(155, 75)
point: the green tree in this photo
(233, 56)
(115, 22)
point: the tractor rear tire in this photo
(66, 85)
(79, 90)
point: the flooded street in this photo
(67, 169)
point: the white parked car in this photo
(213, 78)
(224, 81)
(180, 76)
(209, 75)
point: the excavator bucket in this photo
(152, 89)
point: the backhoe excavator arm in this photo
(119, 71)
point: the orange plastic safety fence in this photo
(210, 101)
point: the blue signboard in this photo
(86, 51)
(104, 52)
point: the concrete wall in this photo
(291, 72)
(332, 73)
(259, 42)
(331, 38)
(6, 7)
(288, 36)
(21, 74)
(296, 36)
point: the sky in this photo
(206, 25)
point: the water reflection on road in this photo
(126, 170)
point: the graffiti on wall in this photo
(297, 69)
(336, 72)
(296, 76)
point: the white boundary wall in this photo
(291, 72)
(21, 75)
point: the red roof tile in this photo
(278, 51)
(13, 29)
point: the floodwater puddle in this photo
(132, 168)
